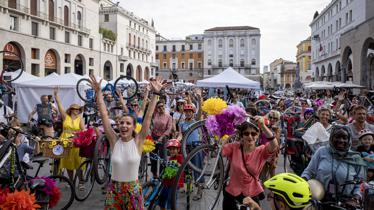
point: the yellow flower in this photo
(65, 143)
(224, 137)
(138, 128)
(148, 146)
(214, 106)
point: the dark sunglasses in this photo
(273, 118)
(250, 133)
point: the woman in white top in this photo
(124, 191)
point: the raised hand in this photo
(96, 85)
(157, 84)
(56, 90)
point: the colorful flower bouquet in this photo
(222, 119)
(20, 200)
(149, 145)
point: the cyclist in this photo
(336, 164)
(290, 192)
(246, 163)
(45, 112)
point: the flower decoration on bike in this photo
(138, 127)
(149, 145)
(20, 200)
(84, 138)
(50, 188)
(214, 106)
(224, 123)
(170, 170)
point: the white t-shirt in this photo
(9, 111)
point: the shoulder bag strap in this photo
(245, 166)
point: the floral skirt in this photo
(124, 196)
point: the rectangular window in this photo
(191, 66)
(90, 72)
(35, 53)
(91, 43)
(209, 62)
(191, 47)
(13, 23)
(106, 18)
(199, 46)
(165, 48)
(156, 47)
(80, 40)
(156, 56)
(220, 63)
(183, 48)
(173, 55)
(350, 16)
(231, 62)
(91, 62)
(182, 64)
(164, 65)
(191, 55)
(35, 69)
(67, 37)
(173, 48)
(199, 65)
(346, 18)
(242, 63)
(34, 28)
(67, 70)
(121, 67)
(52, 33)
(67, 58)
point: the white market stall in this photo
(28, 93)
(231, 78)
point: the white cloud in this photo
(283, 23)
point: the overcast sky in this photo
(283, 23)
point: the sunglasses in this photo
(250, 133)
(273, 118)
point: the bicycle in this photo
(152, 189)
(208, 178)
(101, 160)
(9, 150)
(125, 84)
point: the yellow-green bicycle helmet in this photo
(292, 188)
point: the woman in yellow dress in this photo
(72, 122)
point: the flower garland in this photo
(19, 200)
(214, 106)
(84, 138)
(224, 122)
(170, 170)
(51, 190)
(149, 145)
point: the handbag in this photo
(261, 196)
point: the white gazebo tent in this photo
(28, 93)
(231, 78)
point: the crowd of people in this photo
(337, 130)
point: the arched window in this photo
(51, 10)
(66, 16)
(209, 42)
(129, 39)
(134, 41)
(79, 19)
(231, 43)
(253, 41)
(241, 42)
(220, 43)
(231, 63)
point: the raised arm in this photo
(109, 132)
(156, 86)
(31, 114)
(199, 104)
(59, 104)
(122, 102)
(145, 101)
(273, 143)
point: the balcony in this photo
(123, 58)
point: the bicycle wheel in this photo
(12, 66)
(207, 182)
(84, 180)
(67, 192)
(101, 160)
(143, 169)
(127, 86)
(199, 131)
(85, 91)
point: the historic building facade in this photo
(62, 36)
(357, 46)
(235, 46)
(327, 26)
(181, 59)
(303, 60)
(282, 74)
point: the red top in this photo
(240, 180)
(170, 182)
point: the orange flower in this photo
(20, 200)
